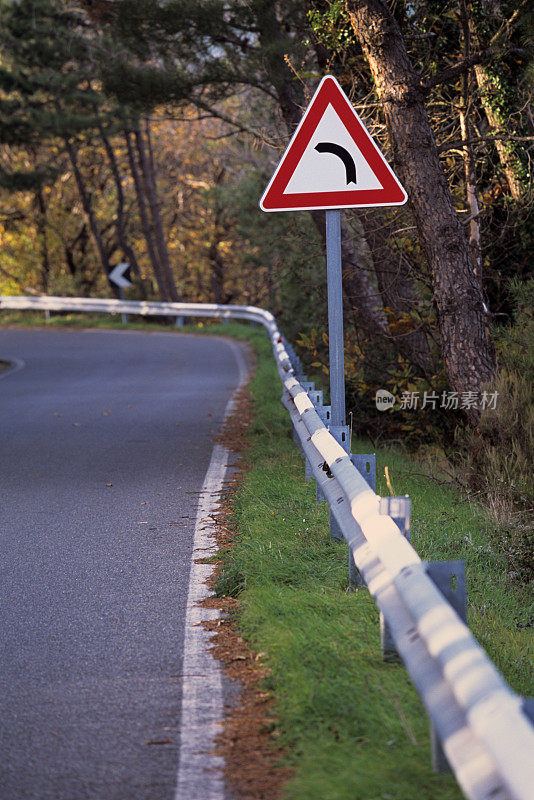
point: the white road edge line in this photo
(199, 770)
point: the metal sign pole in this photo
(124, 316)
(335, 316)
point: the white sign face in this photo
(325, 171)
(331, 161)
(117, 275)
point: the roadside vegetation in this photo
(350, 725)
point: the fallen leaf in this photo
(57, 415)
(142, 523)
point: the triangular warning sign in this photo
(331, 161)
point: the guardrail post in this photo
(398, 508)
(124, 316)
(325, 413)
(366, 466)
(179, 322)
(528, 708)
(288, 347)
(341, 434)
(449, 577)
(316, 396)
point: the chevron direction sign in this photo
(120, 275)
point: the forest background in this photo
(145, 131)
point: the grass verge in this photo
(349, 725)
(37, 319)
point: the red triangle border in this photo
(329, 92)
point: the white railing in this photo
(486, 735)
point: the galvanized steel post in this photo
(335, 316)
(124, 316)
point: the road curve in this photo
(105, 439)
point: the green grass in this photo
(36, 319)
(447, 526)
(83, 320)
(350, 725)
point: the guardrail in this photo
(484, 728)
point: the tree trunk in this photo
(119, 226)
(217, 271)
(509, 161)
(81, 237)
(475, 247)
(41, 221)
(397, 290)
(466, 347)
(149, 180)
(87, 208)
(145, 223)
(215, 258)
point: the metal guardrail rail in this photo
(484, 728)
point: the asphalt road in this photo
(105, 439)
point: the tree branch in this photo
(213, 113)
(507, 24)
(444, 148)
(458, 69)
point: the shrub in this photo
(500, 452)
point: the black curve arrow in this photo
(344, 155)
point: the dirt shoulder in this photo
(246, 743)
